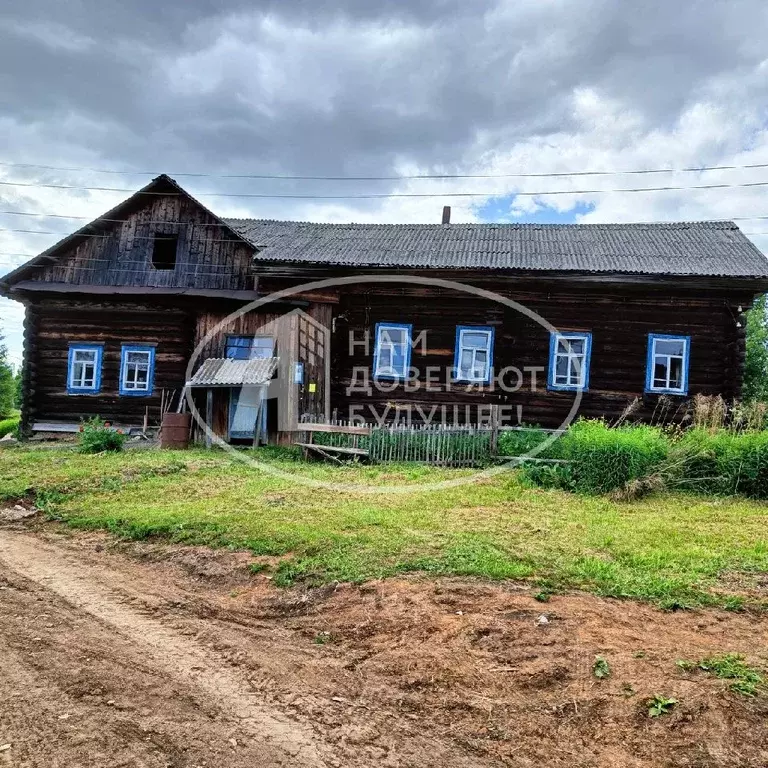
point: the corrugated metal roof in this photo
(708, 248)
(224, 372)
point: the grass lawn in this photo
(671, 549)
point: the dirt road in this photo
(150, 655)
(129, 680)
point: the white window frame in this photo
(132, 390)
(461, 331)
(650, 377)
(383, 341)
(77, 386)
(556, 337)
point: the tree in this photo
(756, 366)
(7, 383)
(17, 389)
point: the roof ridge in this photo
(725, 223)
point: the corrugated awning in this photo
(225, 372)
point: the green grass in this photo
(670, 549)
(745, 680)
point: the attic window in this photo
(164, 251)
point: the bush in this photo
(518, 442)
(96, 437)
(723, 462)
(9, 426)
(600, 458)
(7, 387)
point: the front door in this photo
(243, 412)
(244, 401)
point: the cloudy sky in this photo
(385, 89)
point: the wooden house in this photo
(377, 322)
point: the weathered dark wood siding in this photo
(53, 325)
(120, 254)
(619, 317)
(299, 337)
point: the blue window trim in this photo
(90, 347)
(649, 388)
(408, 328)
(553, 337)
(457, 351)
(126, 348)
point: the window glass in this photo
(136, 371)
(473, 354)
(570, 367)
(249, 347)
(392, 352)
(667, 347)
(83, 370)
(668, 362)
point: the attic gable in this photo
(118, 248)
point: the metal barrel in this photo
(174, 432)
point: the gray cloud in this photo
(306, 87)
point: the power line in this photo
(118, 265)
(224, 224)
(402, 177)
(160, 236)
(259, 196)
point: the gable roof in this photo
(160, 185)
(707, 248)
(681, 249)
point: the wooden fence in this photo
(456, 445)
(439, 445)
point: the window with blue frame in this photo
(137, 370)
(250, 347)
(84, 369)
(569, 358)
(473, 357)
(668, 362)
(392, 353)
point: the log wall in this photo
(619, 318)
(53, 325)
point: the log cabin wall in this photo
(208, 254)
(620, 317)
(53, 324)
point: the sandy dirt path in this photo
(211, 707)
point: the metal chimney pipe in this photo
(446, 214)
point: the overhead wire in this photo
(397, 177)
(389, 195)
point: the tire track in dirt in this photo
(285, 742)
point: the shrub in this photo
(7, 387)
(96, 437)
(724, 462)
(517, 442)
(9, 426)
(600, 458)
